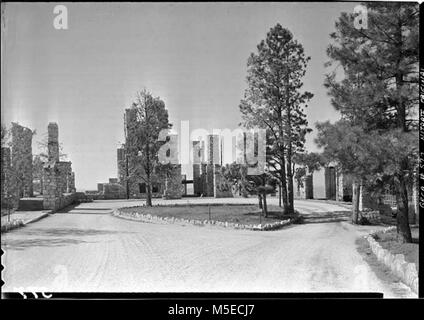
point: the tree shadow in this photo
(48, 232)
(22, 244)
(53, 237)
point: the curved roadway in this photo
(88, 249)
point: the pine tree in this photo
(274, 101)
(379, 90)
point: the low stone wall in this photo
(406, 271)
(30, 204)
(371, 216)
(172, 220)
(67, 199)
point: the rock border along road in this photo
(89, 250)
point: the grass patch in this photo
(390, 242)
(244, 214)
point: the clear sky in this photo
(191, 55)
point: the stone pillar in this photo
(52, 195)
(203, 167)
(53, 142)
(213, 149)
(198, 158)
(6, 178)
(209, 181)
(21, 160)
(100, 187)
(197, 180)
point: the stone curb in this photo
(406, 271)
(171, 220)
(39, 217)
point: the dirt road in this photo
(88, 249)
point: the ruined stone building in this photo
(17, 181)
(16, 167)
(207, 178)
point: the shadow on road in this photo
(52, 237)
(21, 244)
(48, 232)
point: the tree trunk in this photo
(290, 195)
(265, 207)
(127, 175)
(148, 190)
(355, 202)
(260, 201)
(279, 194)
(283, 181)
(402, 216)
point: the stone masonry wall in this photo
(53, 142)
(52, 195)
(5, 176)
(58, 177)
(197, 180)
(120, 152)
(21, 161)
(173, 184)
(71, 184)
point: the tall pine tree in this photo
(274, 101)
(379, 88)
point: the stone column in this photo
(209, 179)
(198, 158)
(213, 149)
(6, 178)
(21, 160)
(100, 187)
(53, 142)
(52, 195)
(197, 180)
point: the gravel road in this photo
(88, 249)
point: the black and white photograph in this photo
(214, 147)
